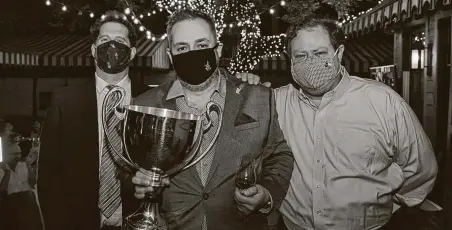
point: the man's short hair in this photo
(337, 36)
(114, 16)
(189, 14)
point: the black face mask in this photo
(195, 67)
(113, 57)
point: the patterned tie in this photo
(109, 192)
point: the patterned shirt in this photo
(183, 105)
(358, 150)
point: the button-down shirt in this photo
(185, 105)
(361, 145)
(101, 89)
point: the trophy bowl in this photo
(160, 139)
(159, 143)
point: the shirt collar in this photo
(177, 90)
(339, 90)
(101, 83)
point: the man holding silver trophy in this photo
(238, 141)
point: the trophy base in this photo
(147, 217)
(142, 225)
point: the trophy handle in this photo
(122, 115)
(210, 107)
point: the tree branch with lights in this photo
(299, 10)
(253, 46)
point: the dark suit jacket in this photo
(68, 167)
(249, 125)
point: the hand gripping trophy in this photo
(162, 142)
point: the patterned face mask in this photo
(315, 72)
(113, 57)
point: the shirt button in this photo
(318, 186)
(205, 196)
(318, 161)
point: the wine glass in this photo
(246, 175)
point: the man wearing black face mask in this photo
(79, 187)
(205, 196)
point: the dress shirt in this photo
(353, 152)
(101, 89)
(184, 104)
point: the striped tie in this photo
(109, 192)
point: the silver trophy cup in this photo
(159, 143)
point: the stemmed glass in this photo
(246, 175)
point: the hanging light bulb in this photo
(127, 11)
(283, 3)
(272, 11)
(102, 17)
(141, 16)
(48, 3)
(148, 33)
(141, 28)
(153, 12)
(91, 15)
(136, 21)
(64, 8)
(149, 14)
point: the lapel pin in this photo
(237, 91)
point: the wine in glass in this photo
(246, 175)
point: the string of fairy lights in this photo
(253, 46)
(349, 18)
(130, 15)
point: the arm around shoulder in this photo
(278, 159)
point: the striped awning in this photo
(73, 51)
(392, 11)
(275, 63)
(361, 54)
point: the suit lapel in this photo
(83, 115)
(167, 104)
(138, 88)
(233, 103)
(92, 124)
